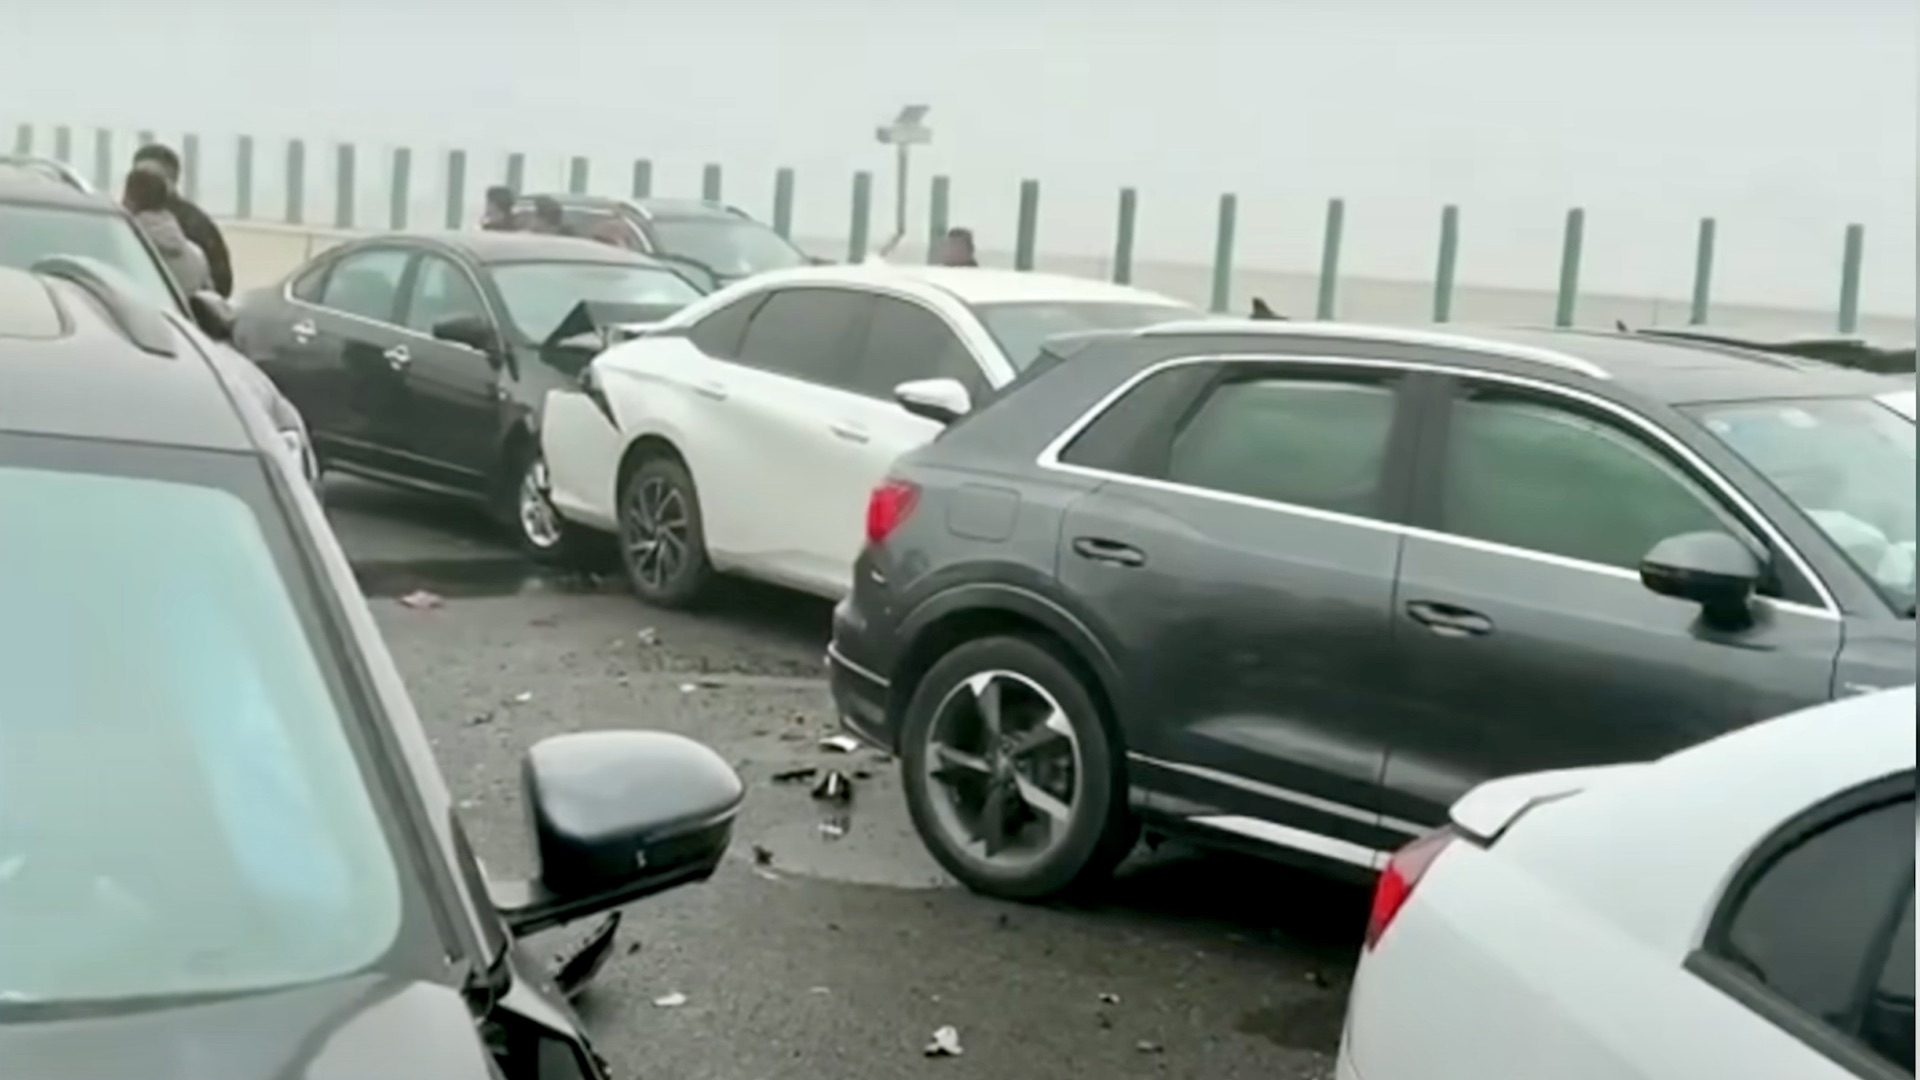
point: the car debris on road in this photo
(946, 1043)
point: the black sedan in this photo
(226, 852)
(1297, 587)
(425, 359)
(714, 240)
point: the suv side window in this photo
(1812, 925)
(441, 291)
(1131, 435)
(1316, 441)
(366, 283)
(719, 334)
(906, 342)
(807, 333)
(1532, 475)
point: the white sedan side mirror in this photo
(941, 400)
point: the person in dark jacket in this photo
(146, 198)
(193, 221)
(957, 249)
(548, 218)
(498, 216)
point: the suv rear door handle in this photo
(1449, 621)
(1111, 552)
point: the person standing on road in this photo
(192, 220)
(547, 217)
(498, 216)
(147, 197)
(957, 249)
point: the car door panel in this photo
(353, 325)
(1538, 508)
(454, 395)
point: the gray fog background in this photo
(1785, 119)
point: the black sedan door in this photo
(1524, 638)
(350, 328)
(452, 389)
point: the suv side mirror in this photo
(617, 816)
(473, 331)
(940, 400)
(212, 314)
(1711, 569)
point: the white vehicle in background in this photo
(1742, 910)
(745, 433)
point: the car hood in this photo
(368, 1028)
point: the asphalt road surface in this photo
(810, 955)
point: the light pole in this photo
(907, 131)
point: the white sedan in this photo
(745, 433)
(1742, 910)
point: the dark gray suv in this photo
(1297, 587)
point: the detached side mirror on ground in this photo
(470, 330)
(618, 816)
(212, 314)
(1711, 569)
(941, 400)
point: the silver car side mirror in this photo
(941, 400)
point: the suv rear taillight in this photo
(889, 507)
(1397, 881)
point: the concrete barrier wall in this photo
(265, 252)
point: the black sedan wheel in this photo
(662, 543)
(1012, 778)
(538, 528)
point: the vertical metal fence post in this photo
(1123, 236)
(1330, 259)
(343, 181)
(456, 188)
(516, 172)
(1569, 296)
(243, 178)
(402, 185)
(1025, 239)
(296, 182)
(103, 159)
(1449, 256)
(577, 171)
(63, 144)
(190, 167)
(1850, 279)
(783, 202)
(710, 183)
(1223, 253)
(938, 210)
(862, 217)
(23, 139)
(1702, 274)
(642, 178)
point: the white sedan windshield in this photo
(1848, 464)
(181, 812)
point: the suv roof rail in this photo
(1393, 334)
(142, 324)
(57, 171)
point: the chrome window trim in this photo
(1391, 335)
(1280, 794)
(1049, 459)
(286, 291)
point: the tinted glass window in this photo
(366, 284)
(1887, 1026)
(539, 295)
(807, 334)
(1119, 439)
(1314, 442)
(31, 233)
(720, 333)
(1811, 924)
(905, 342)
(731, 247)
(1545, 479)
(441, 291)
(198, 821)
(308, 285)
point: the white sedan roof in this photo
(1653, 848)
(973, 285)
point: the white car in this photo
(745, 433)
(1742, 910)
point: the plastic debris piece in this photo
(1109, 999)
(833, 830)
(795, 776)
(1148, 1046)
(840, 744)
(834, 787)
(946, 1043)
(421, 600)
(648, 636)
(478, 719)
(688, 688)
(523, 697)
(762, 856)
(670, 1001)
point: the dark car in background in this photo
(424, 359)
(713, 238)
(226, 852)
(1298, 587)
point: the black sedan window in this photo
(182, 811)
(540, 294)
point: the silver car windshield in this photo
(182, 812)
(1847, 463)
